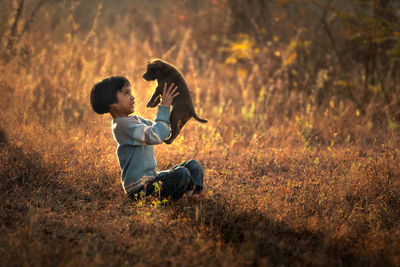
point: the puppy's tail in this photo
(197, 118)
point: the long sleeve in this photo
(138, 131)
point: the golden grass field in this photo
(288, 180)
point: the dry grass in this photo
(286, 181)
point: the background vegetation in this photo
(300, 153)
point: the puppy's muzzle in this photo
(148, 77)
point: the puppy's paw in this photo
(151, 104)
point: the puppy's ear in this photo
(158, 64)
(153, 66)
(156, 67)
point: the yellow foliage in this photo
(261, 94)
(290, 59)
(242, 72)
(243, 49)
(340, 83)
(293, 44)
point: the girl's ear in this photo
(112, 107)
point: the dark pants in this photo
(176, 181)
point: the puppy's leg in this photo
(176, 126)
(155, 99)
(183, 121)
(173, 120)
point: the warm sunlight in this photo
(300, 152)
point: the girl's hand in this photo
(169, 94)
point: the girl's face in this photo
(126, 102)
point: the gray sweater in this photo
(135, 137)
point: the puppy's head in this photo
(153, 70)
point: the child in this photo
(136, 136)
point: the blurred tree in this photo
(356, 44)
(251, 16)
(373, 40)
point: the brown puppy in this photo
(182, 104)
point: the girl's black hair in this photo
(104, 93)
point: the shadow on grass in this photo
(47, 220)
(23, 173)
(264, 241)
(38, 211)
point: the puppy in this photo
(182, 104)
